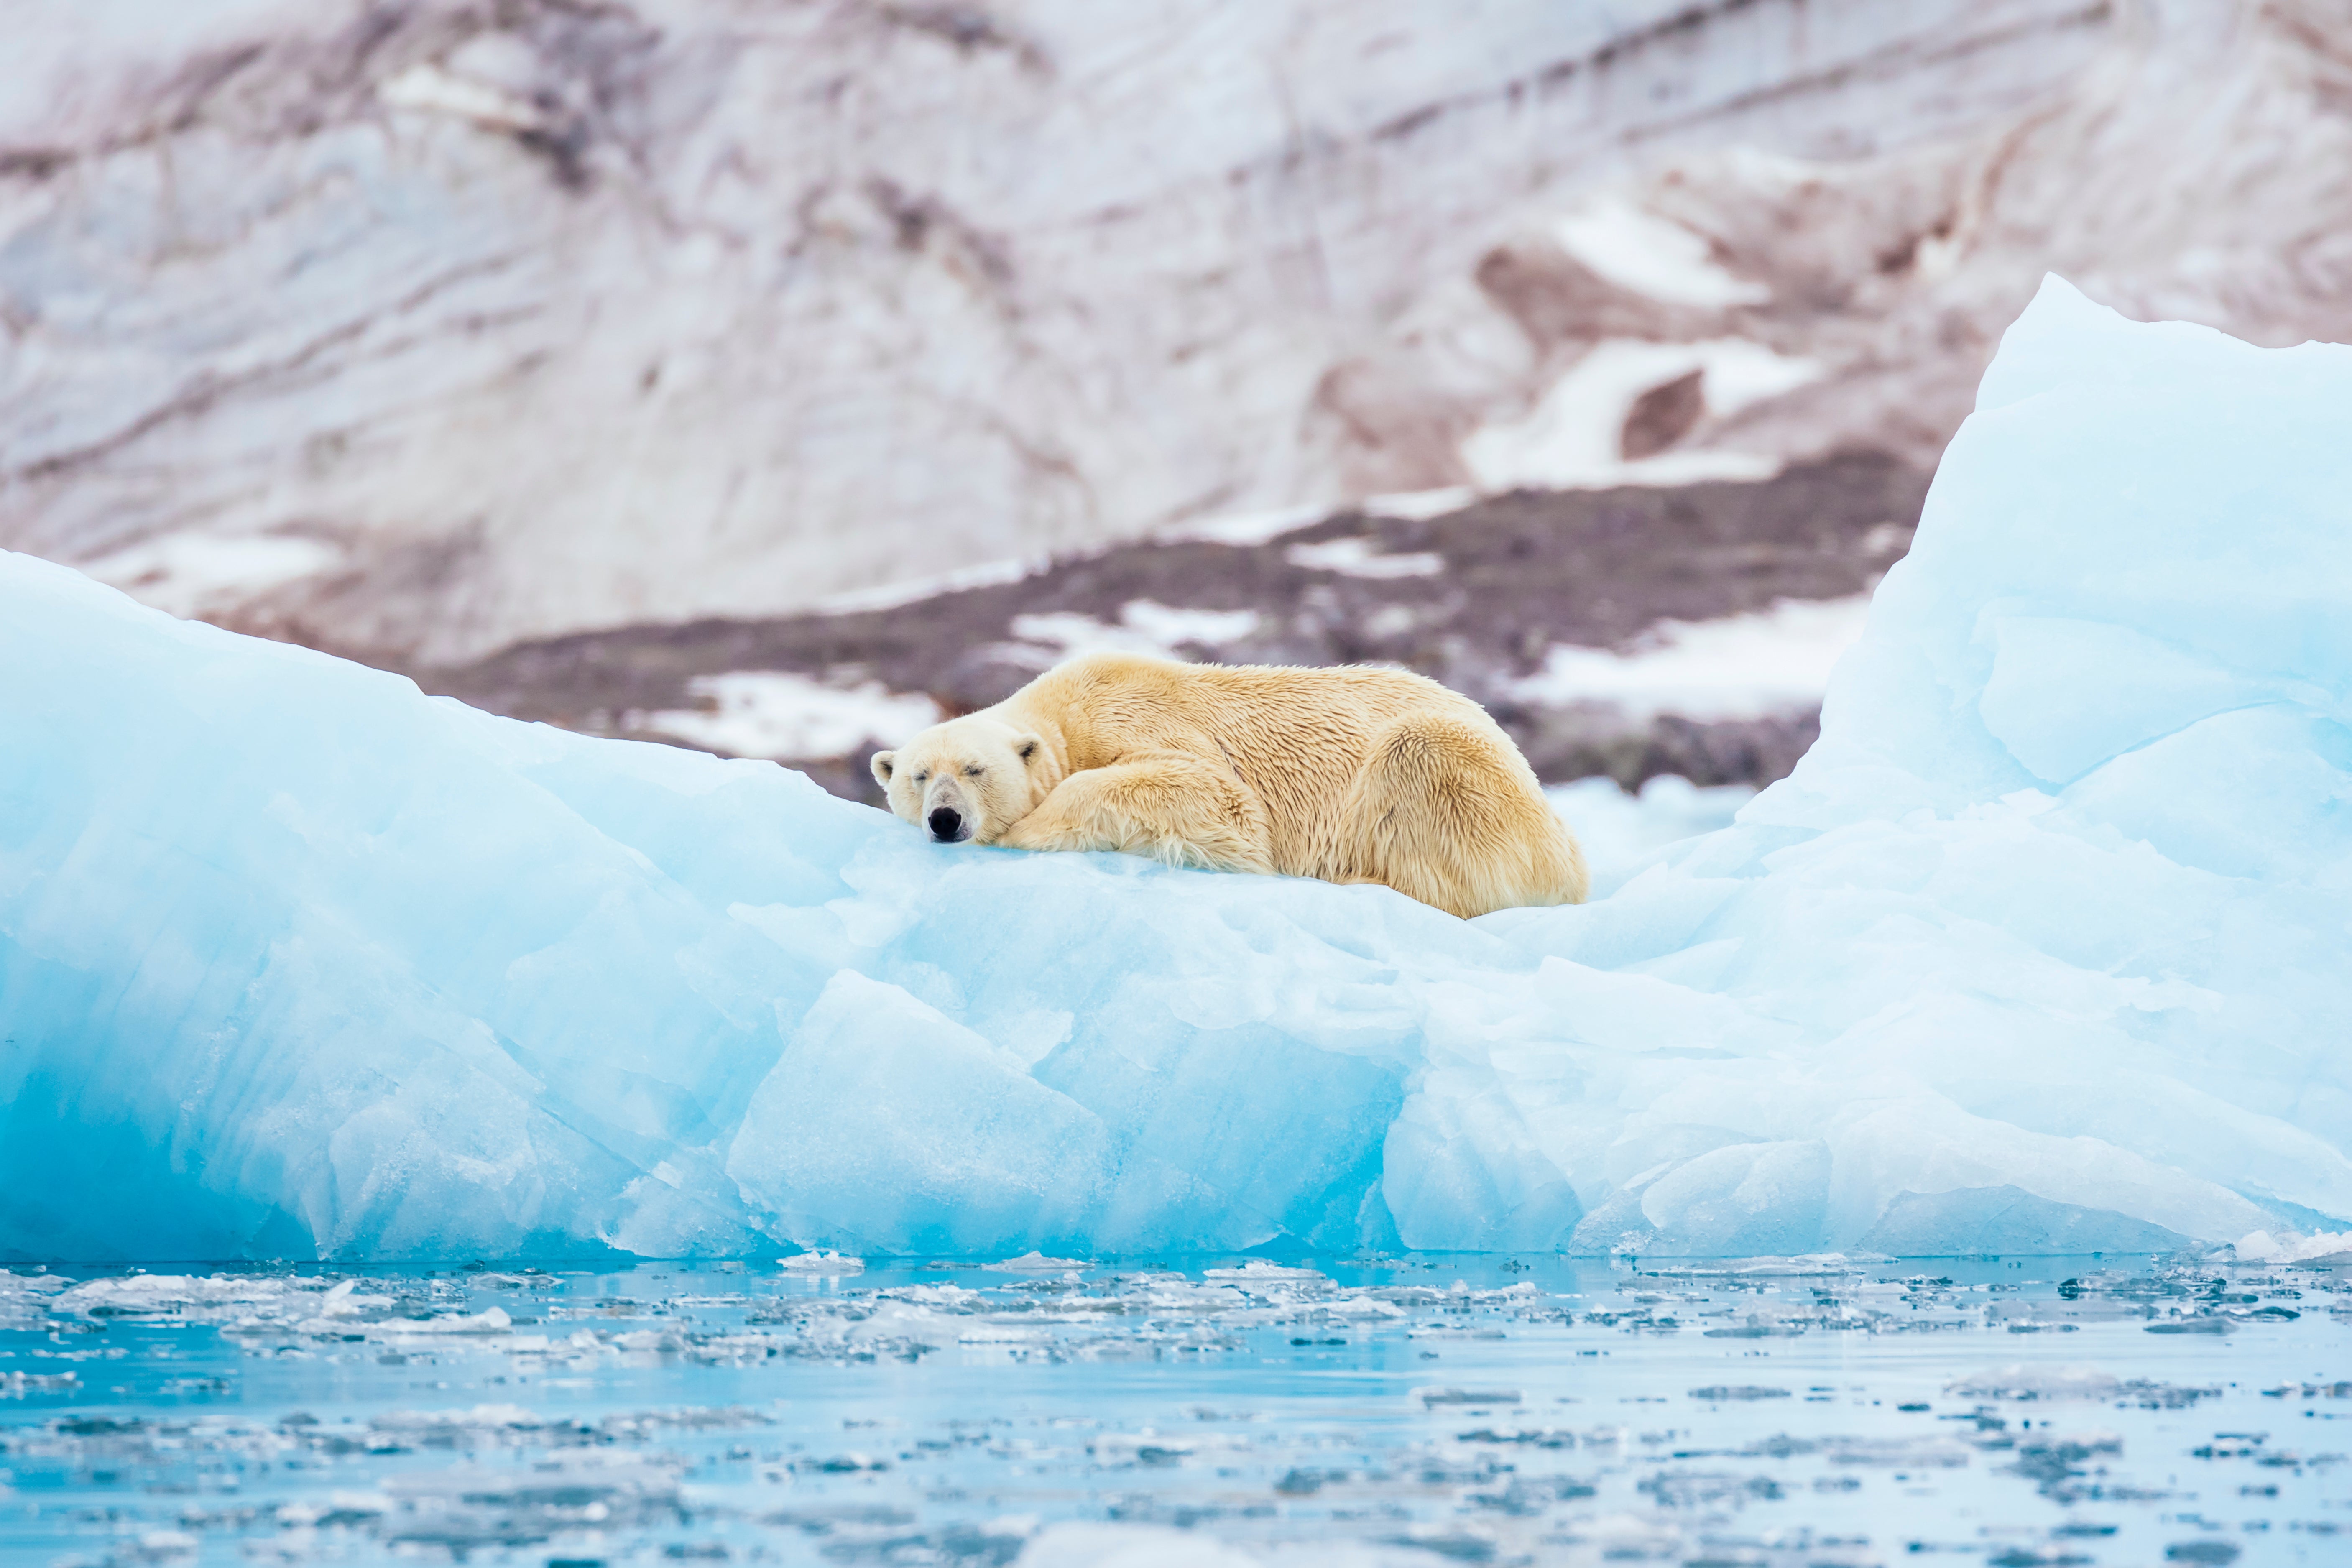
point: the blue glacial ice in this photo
(2043, 948)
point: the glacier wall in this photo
(2039, 950)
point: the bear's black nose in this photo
(947, 826)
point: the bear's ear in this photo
(1026, 748)
(882, 761)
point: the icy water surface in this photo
(1421, 1411)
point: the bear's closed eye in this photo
(973, 773)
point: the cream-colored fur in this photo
(1350, 775)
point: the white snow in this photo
(427, 89)
(1244, 528)
(1266, 526)
(1144, 627)
(1652, 254)
(1173, 628)
(1419, 506)
(1739, 667)
(2039, 950)
(1357, 557)
(777, 713)
(898, 591)
(195, 574)
(1571, 438)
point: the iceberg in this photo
(2042, 948)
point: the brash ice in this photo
(2043, 948)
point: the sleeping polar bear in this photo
(1350, 775)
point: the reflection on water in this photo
(1413, 1411)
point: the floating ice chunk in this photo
(1037, 1263)
(2019, 1381)
(475, 1418)
(822, 1262)
(2041, 946)
(1258, 1272)
(168, 1293)
(490, 1320)
(2261, 1246)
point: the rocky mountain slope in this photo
(418, 327)
(1721, 607)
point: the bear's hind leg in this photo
(1174, 809)
(1444, 813)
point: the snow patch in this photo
(1143, 628)
(903, 590)
(428, 89)
(777, 713)
(1740, 667)
(1361, 558)
(1245, 528)
(1420, 506)
(1572, 440)
(193, 574)
(1650, 255)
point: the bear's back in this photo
(1297, 737)
(1123, 701)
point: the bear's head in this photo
(970, 778)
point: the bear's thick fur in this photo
(1350, 775)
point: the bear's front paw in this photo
(1027, 834)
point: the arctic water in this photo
(1409, 1410)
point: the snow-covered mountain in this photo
(415, 328)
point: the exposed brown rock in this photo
(1663, 415)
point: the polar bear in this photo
(1349, 776)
